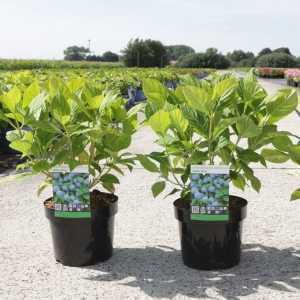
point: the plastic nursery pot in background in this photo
(82, 242)
(211, 245)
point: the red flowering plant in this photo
(270, 72)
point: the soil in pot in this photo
(82, 242)
(211, 245)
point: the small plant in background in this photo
(292, 76)
(270, 72)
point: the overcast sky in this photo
(44, 28)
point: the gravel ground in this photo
(147, 260)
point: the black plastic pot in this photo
(82, 242)
(211, 245)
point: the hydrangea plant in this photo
(72, 122)
(220, 120)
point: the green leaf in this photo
(134, 110)
(147, 163)
(11, 99)
(155, 93)
(247, 128)
(160, 122)
(13, 135)
(249, 155)
(238, 180)
(198, 98)
(178, 121)
(42, 187)
(40, 166)
(164, 167)
(116, 142)
(174, 191)
(38, 105)
(30, 93)
(284, 103)
(95, 102)
(282, 143)
(108, 101)
(109, 179)
(224, 89)
(198, 157)
(274, 156)
(157, 188)
(294, 152)
(109, 186)
(223, 125)
(24, 144)
(295, 195)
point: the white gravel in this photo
(147, 261)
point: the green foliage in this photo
(295, 195)
(209, 59)
(239, 58)
(71, 121)
(145, 53)
(174, 52)
(109, 56)
(61, 65)
(76, 53)
(283, 50)
(218, 120)
(264, 52)
(276, 60)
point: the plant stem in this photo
(210, 136)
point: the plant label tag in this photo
(71, 195)
(209, 193)
(65, 168)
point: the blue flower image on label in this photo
(210, 196)
(71, 195)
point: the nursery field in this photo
(147, 261)
(24, 64)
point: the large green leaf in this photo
(23, 144)
(284, 103)
(95, 102)
(11, 99)
(158, 187)
(294, 152)
(116, 142)
(30, 93)
(147, 163)
(282, 143)
(110, 179)
(274, 156)
(224, 89)
(247, 128)
(160, 122)
(155, 93)
(223, 125)
(38, 105)
(178, 121)
(249, 155)
(198, 98)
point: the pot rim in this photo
(236, 213)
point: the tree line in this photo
(152, 53)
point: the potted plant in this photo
(76, 124)
(221, 120)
